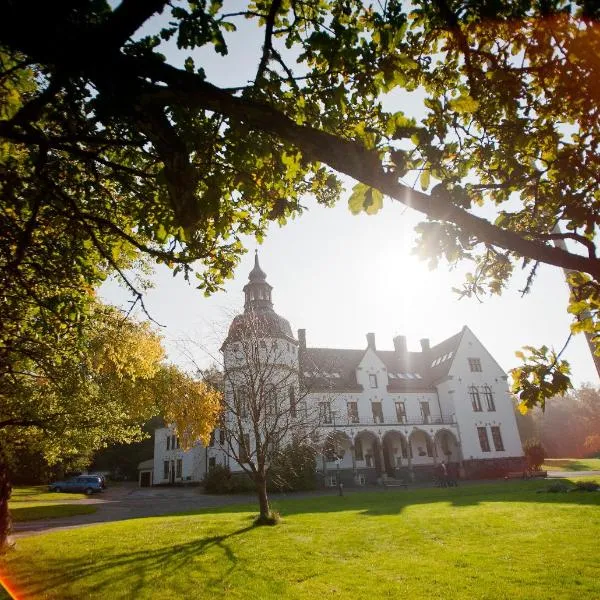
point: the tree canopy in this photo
(105, 140)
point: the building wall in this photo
(457, 388)
(193, 460)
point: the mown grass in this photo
(36, 502)
(479, 542)
(571, 464)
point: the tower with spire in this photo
(257, 291)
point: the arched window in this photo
(489, 398)
(475, 399)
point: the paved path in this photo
(570, 474)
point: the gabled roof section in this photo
(442, 356)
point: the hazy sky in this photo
(340, 276)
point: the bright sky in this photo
(340, 276)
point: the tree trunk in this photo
(263, 499)
(5, 491)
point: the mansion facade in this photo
(394, 414)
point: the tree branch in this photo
(267, 46)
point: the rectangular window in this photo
(168, 442)
(377, 412)
(400, 412)
(173, 442)
(484, 442)
(166, 469)
(358, 450)
(179, 468)
(212, 462)
(475, 365)
(222, 436)
(245, 448)
(292, 395)
(241, 402)
(497, 437)
(353, 412)
(325, 412)
(373, 381)
(425, 412)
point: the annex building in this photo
(394, 413)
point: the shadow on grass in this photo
(136, 570)
(388, 502)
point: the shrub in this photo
(534, 454)
(558, 488)
(220, 480)
(586, 486)
(293, 469)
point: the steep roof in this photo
(330, 369)
(334, 369)
(441, 357)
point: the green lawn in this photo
(491, 541)
(572, 464)
(35, 502)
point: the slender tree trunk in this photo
(5, 492)
(263, 499)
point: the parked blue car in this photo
(88, 484)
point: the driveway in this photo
(129, 502)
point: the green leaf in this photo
(464, 104)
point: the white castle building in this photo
(394, 413)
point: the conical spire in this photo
(257, 274)
(257, 290)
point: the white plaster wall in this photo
(192, 459)
(468, 420)
(285, 354)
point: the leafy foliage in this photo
(108, 152)
(542, 375)
(534, 453)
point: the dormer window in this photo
(373, 381)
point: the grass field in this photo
(572, 464)
(35, 502)
(493, 541)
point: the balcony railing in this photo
(357, 421)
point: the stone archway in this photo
(447, 446)
(421, 447)
(395, 452)
(368, 451)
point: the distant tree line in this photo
(568, 427)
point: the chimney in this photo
(371, 341)
(425, 345)
(400, 345)
(302, 339)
